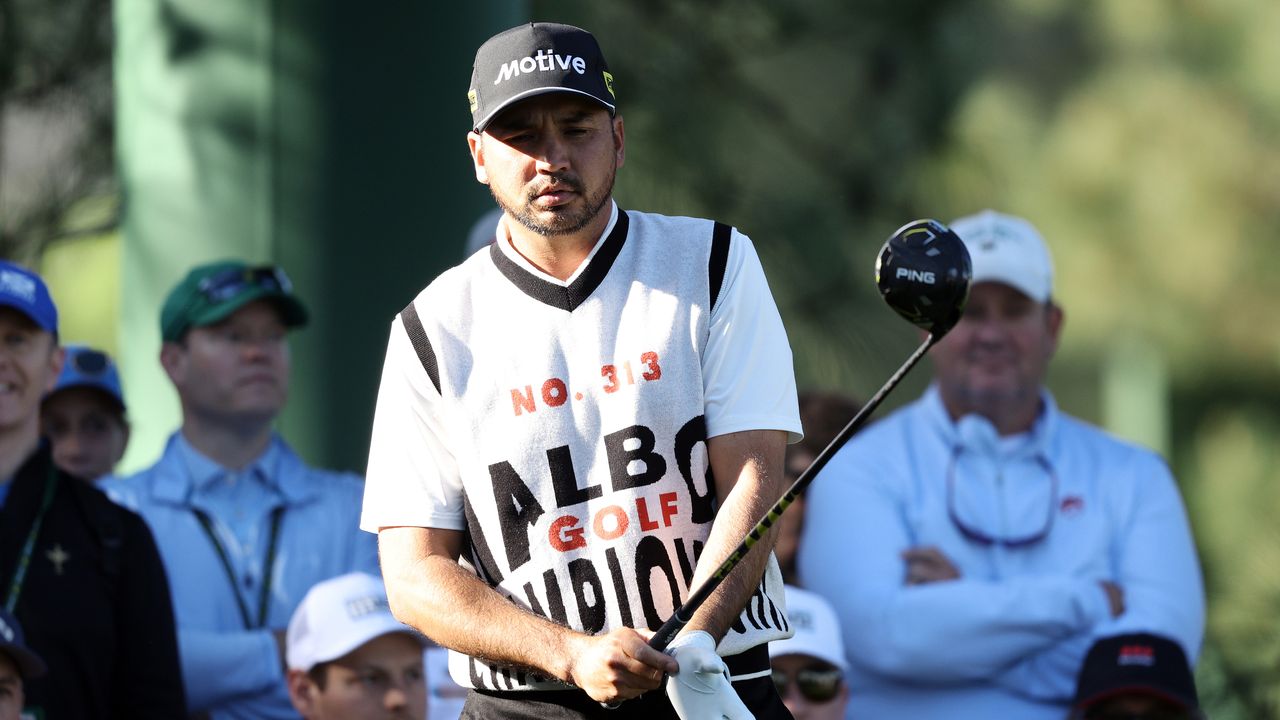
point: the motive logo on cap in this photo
(544, 61)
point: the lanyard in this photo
(264, 594)
(24, 559)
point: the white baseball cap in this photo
(336, 617)
(1008, 250)
(817, 631)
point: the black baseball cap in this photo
(1139, 663)
(533, 59)
(13, 644)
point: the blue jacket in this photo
(1007, 638)
(230, 670)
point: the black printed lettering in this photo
(555, 601)
(565, 482)
(473, 538)
(650, 555)
(620, 459)
(619, 586)
(518, 510)
(590, 610)
(704, 504)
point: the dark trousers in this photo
(758, 694)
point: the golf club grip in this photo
(683, 614)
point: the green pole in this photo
(324, 136)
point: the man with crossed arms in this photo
(977, 542)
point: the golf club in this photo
(923, 273)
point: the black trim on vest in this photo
(569, 297)
(719, 260)
(421, 345)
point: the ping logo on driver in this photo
(924, 276)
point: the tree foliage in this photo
(56, 123)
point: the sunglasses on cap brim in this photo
(816, 683)
(222, 286)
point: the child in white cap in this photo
(349, 658)
(809, 666)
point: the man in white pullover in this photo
(576, 425)
(978, 541)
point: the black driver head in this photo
(923, 272)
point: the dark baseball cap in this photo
(1137, 663)
(534, 59)
(24, 291)
(13, 644)
(211, 292)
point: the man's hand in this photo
(1115, 597)
(928, 565)
(617, 666)
(701, 689)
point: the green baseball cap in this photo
(211, 292)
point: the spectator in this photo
(983, 538)
(809, 667)
(1136, 676)
(17, 664)
(823, 415)
(245, 527)
(349, 658)
(80, 573)
(84, 415)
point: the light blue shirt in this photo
(1007, 638)
(231, 671)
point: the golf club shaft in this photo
(683, 614)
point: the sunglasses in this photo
(973, 534)
(233, 281)
(817, 684)
(90, 363)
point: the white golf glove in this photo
(701, 690)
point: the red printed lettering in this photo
(642, 514)
(565, 535)
(651, 360)
(554, 392)
(667, 503)
(610, 374)
(620, 523)
(522, 402)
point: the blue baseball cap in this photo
(90, 368)
(13, 644)
(24, 291)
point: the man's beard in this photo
(564, 221)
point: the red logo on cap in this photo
(1137, 655)
(1072, 504)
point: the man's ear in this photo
(57, 357)
(1054, 318)
(619, 141)
(475, 143)
(173, 358)
(302, 692)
